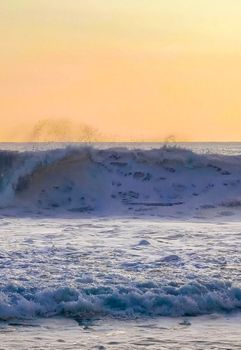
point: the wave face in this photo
(137, 301)
(116, 181)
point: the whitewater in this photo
(120, 246)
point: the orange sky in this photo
(132, 69)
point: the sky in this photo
(131, 69)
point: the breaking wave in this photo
(145, 299)
(119, 181)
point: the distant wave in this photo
(120, 181)
(145, 299)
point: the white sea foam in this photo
(95, 268)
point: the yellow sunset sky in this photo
(133, 69)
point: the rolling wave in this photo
(147, 299)
(117, 181)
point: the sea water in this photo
(120, 246)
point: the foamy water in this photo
(120, 248)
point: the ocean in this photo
(120, 246)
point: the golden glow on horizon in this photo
(132, 69)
